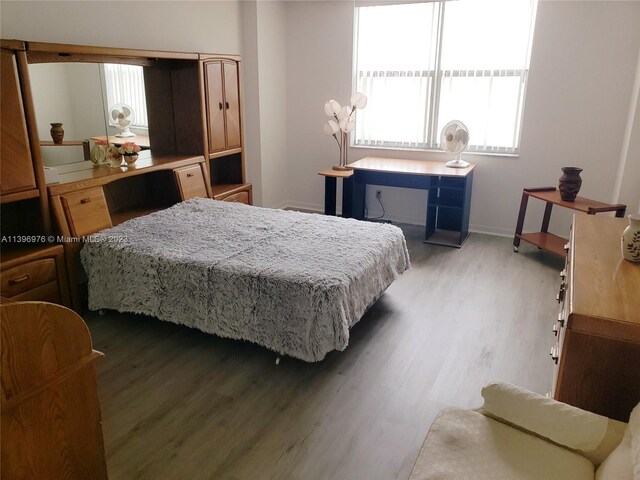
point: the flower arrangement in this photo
(342, 124)
(129, 148)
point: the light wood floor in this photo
(180, 404)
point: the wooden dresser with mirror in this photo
(187, 121)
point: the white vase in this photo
(631, 239)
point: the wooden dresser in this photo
(597, 332)
(194, 148)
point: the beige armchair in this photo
(522, 435)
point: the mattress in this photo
(290, 281)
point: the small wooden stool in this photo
(330, 189)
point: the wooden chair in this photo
(51, 423)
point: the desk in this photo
(448, 201)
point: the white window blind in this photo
(422, 65)
(125, 84)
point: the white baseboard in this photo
(485, 229)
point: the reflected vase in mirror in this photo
(114, 157)
(57, 133)
(570, 183)
(99, 153)
(130, 158)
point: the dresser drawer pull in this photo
(20, 279)
(566, 247)
(555, 329)
(563, 274)
(554, 354)
(220, 105)
(85, 200)
(561, 319)
(189, 175)
(226, 104)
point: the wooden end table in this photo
(330, 188)
(548, 241)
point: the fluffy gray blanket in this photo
(290, 281)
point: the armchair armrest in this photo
(593, 435)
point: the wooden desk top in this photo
(75, 176)
(330, 172)
(581, 204)
(140, 140)
(603, 284)
(413, 167)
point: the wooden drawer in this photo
(191, 182)
(240, 197)
(26, 277)
(49, 292)
(86, 211)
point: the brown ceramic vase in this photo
(570, 183)
(57, 133)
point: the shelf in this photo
(16, 196)
(546, 241)
(65, 143)
(122, 216)
(581, 204)
(225, 153)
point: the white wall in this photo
(189, 26)
(273, 102)
(265, 100)
(583, 62)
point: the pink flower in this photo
(129, 148)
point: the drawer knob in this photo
(220, 105)
(20, 279)
(189, 175)
(85, 200)
(566, 246)
(226, 104)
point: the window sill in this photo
(421, 150)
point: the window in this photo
(424, 64)
(125, 84)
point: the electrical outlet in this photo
(379, 194)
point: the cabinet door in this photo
(215, 106)
(17, 167)
(232, 104)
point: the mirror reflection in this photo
(79, 105)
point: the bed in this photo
(290, 281)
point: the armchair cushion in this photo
(618, 465)
(466, 445)
(593, 435)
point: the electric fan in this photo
(454, 139)
(122, 116)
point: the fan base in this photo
(457, 164)
(125, 135)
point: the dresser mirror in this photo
(93, 102)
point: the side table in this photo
(330, 188)
(548, 241)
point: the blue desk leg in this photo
(359, 191)
(330, 184)
(347, 197)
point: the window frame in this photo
(436, 87)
